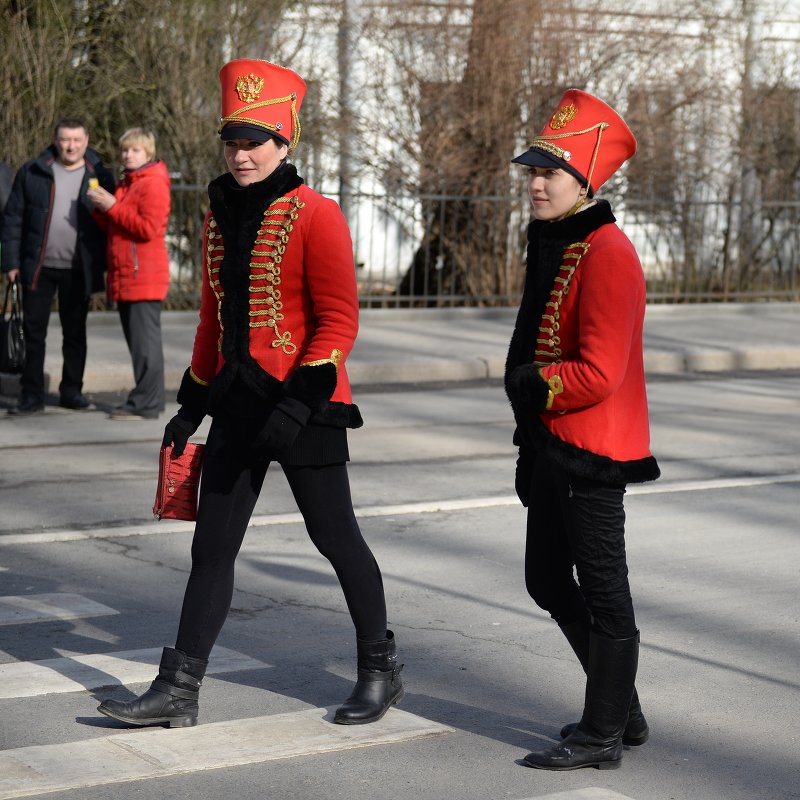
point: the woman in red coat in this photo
(135, 220)
(575, 378)
(278, 318)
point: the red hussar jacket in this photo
(301, 304)
(138, 265)
(580, 328)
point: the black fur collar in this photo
(242, 206)
(575, 228)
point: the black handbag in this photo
(12, 338)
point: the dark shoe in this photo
(597, 741)
(76, 402)
(27, 408)
(128, 414)
(636, 731)
(171, 700)
(575, 752)
(378, 686)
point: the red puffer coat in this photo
(138, 265)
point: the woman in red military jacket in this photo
(135, 220)
(575, 378)
(278, 318)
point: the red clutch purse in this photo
(178, 483)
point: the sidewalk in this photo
(426, 345)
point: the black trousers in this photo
(231, 482)
(73, 307)
(576, 527)
(141, 324)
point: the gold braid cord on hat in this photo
(238, 116)
(546, 143)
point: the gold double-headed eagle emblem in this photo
(564, 115)
(248, 87)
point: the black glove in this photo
(178, 430)
(283, 426)
(193, 398)
(524, 475)
(527, 389)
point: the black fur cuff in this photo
(311, 384)
(527, 389)
(193, 396)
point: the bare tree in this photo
(425, 103)
(120, 63)
(37, 47)
(454, 90)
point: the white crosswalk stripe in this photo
(19, 609)
(141, 754)
(154, 753)
(72, 673)
(589, 793)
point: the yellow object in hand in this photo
(94, 183)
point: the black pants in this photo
(141, 324)
(73, 307)
(230, 485)
(577, 526)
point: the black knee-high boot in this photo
(597, 741)
(636, 730)
(172, 698)
(378, 686)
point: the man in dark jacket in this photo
(51, 243)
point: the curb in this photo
(422, 371)
(410, 346)
(688, 362)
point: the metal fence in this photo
(450, 250)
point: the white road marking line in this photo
(19, 609)
(74, 673)
(423, 507)
(154, 753)
(712, 483)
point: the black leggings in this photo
(228, 492)
(577, 526)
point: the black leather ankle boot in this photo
(171, 700)
(378, 686)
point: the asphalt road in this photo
(713, 549)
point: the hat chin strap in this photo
(579, 204)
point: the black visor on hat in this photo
(251, 132)
(540, 158)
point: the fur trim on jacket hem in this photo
(585, 464)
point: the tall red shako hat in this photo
(260, 100)
(585, 137)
